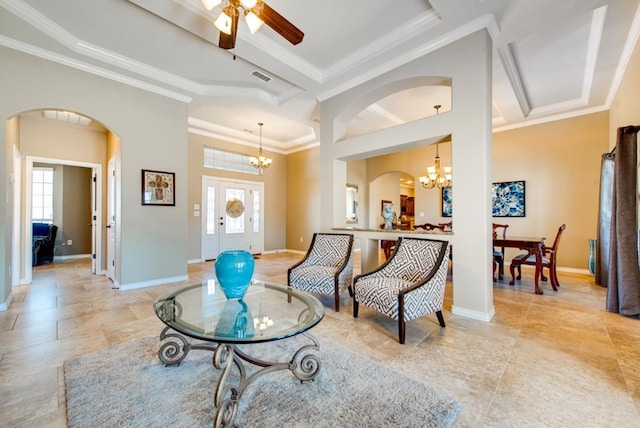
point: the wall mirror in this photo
(352, 203)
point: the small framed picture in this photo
(158, 188)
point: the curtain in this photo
(604, 218)
(623, 279)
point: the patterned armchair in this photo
(407, 286)
(327, 268)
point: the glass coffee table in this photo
(267, 312)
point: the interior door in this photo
(111, 221)
(94, 217)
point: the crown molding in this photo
(79, 65)
(484, 22)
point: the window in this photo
(228, 161)
(42, 195)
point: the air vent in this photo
(261, 76)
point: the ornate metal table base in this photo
(303, 365)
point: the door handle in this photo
(108, 226)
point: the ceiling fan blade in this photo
(228, 41)
(278, 23)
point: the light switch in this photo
(196, 206)
(196, 213)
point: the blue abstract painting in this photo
(447, 208)
(508, 199)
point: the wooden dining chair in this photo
(498, 254)
(549, 257)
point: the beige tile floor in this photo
(557, 360)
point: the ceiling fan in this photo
(256, 13)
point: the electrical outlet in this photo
(69, 242)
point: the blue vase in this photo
(591, 262)
(234, 269)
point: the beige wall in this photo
(625, 109)
(274, 180)
(560, 163)
(303, 198)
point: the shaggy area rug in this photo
(127, 386)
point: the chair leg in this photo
(512, 268)
(350, 291)
(355, 308)
(401, 330)
(337, 300)
(519, 277)
(440, 318)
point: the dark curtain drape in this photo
(623, 279)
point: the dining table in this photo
(534, 244)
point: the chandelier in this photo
(437, 175)
(260, 162)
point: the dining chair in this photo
(549, 261)
(409, 285)
(326, 268)
(498, 254)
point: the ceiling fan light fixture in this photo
(253, 22)
(210, 4)
(223, 22)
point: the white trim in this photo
(195, 261)
(151, 283)
(72, 256)
(4, 306)
(475, 315)
(27, 230)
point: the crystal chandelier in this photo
(260, 162)
(437, 175)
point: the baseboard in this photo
(72, 256)
(558, 269)
(194, 261)
(4, 306)
(476, 315)
(152, 283)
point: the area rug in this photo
(127, 386)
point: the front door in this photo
(232, 216)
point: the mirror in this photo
(352, 203)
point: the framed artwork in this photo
(447, 208)
(158, 188)
(508, 199)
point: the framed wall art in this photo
(447, 207)
(508, 199)
(158, 188)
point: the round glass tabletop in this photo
(264, 313)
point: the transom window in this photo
(228, 161)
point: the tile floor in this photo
(557, 360)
